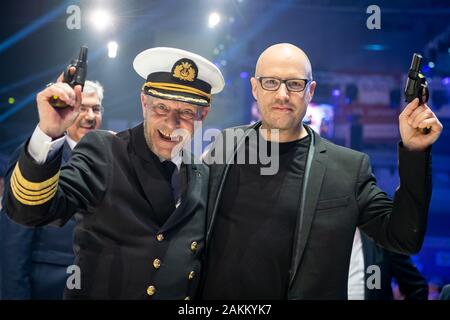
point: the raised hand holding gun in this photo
(54, 121)
(419, 126)
(58, 104)
(77, 77)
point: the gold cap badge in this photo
(185, 69)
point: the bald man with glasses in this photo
(289, 235)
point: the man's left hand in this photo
(412, 120)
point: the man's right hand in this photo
(54, 121)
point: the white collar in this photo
(72, 143)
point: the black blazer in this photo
(119, 189)
(392, 265)
(340, 193)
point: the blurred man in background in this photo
(34, 261)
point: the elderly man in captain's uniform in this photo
(140, 234)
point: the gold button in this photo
(194, 246)
(191, 275)
(187, 298)
(151, 290)
(160, 237)
(157, 263)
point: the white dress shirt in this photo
(356, 270)
(41, 147)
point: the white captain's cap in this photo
(177, 74)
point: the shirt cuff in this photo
(41, 147)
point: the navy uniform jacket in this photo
(34, 261)
(117, 183)
(339, 193)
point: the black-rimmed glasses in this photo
(273, 84)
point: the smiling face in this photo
(89, 118)
(162, 117)
(283, 109)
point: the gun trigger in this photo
(68, 78)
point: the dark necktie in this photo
(169, 168)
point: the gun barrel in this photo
(416, 61)
(83, 54)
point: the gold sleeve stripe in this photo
(174, 96)
(32, 193)
(177, 87)
(34, 202)
(34, 186)
(29, 192)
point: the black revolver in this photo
(416, 85)
(78, 78)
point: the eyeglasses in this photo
(163, 110)
(273, 84)
(97, 110)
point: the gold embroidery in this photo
(34, 186)
(174, 96)
(31, 200)
(184, 71)
(177, 87)
(32, 193)
(27, 192)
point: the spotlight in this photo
(336, 93)
(101, 19)
(374, 47)
(431, 64)
(112, 49)
(11, 100)
(214, 19)
(244, 75)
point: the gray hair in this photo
(94, 87)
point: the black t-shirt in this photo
(251, 245)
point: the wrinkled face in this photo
(89, 118)
(163, 119)
(282, 109)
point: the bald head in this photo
(282, 55)
(283, 108)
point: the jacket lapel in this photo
(312, 182)
(67, 152)
(149, 173)
(218, 176)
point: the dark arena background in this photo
(360, 65)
